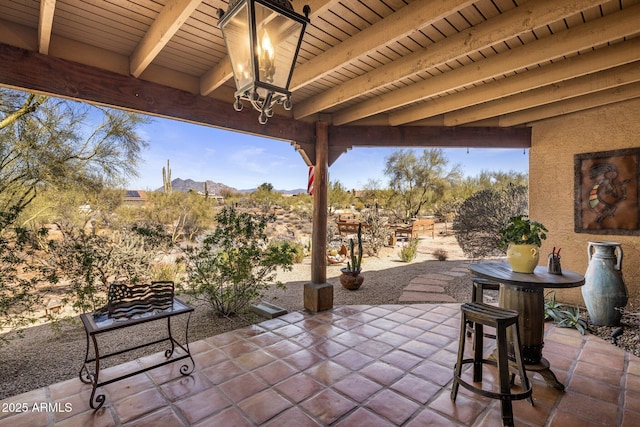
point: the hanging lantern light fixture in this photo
(263, 38)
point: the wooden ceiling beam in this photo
(572, 105)
(405, 21)
(31, 71)
(169, 21)
(607, 29)
(45, 23)
(514, 22)
(598, 60)
(607, 79)
(343, 138)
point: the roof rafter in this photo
(45, 23)
(608, 28)
(170, 19)
(514, 22)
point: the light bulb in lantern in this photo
(267, 56)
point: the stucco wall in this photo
(551, 185)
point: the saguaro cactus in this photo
(166, 178)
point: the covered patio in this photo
(556, 77)
(387, 365)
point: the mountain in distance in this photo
(185, 185)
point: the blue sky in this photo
(244, 161)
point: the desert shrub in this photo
(409, 251)
(441, 254)
(482, 215)
(90, 261)
(376, 233)
(235, 264)
(298, 256)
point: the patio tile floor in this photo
(351, 366)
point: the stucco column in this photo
(318, 295)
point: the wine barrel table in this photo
(524, 293)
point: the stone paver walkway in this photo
(430, 287)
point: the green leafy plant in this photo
(234, 265)
(521, 230)
(409, 251)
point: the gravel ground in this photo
(44, 356)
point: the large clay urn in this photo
(604, 291)
(523, 258)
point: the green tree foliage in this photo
(482, 215)
(51, 144)
(19, 276)
(46, 142)
(235, 263)
(266, 197)
(184, 216)
(337, 197)
(418, 182)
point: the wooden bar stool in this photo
(477, 295)
(499, 318)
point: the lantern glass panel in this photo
(236, 36)
(277, 43)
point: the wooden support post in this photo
(318, 295)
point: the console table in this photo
(94, 327)
(524, 293)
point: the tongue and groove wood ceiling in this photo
(380, 72)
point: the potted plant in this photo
(351, 278)
(522, 237)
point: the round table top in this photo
(501, 273)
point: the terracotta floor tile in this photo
(328, 348)
(363, 418)
(352, 359)
(299, 387)
(100, 418)
(374, 348)
(382, 373)
(239, 348)
(416, 388)
(303, 359)
(349, 338)
(429, 417)
(162, 418)
(228, 417)
(588, 408)
(185, 386)
(275, 372)
(139, 404)
(393, 339)
(401, 359)
(127, 387)
(264, 405)
(337, 368)
(208, 358)
(419, 348)
(327, 372)
(327, 406)
(254, 360)
(292, 417)
(600, 373)
(239, 388)
(200, 405)
(357, 387)
(222, 372)
(393, 406)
